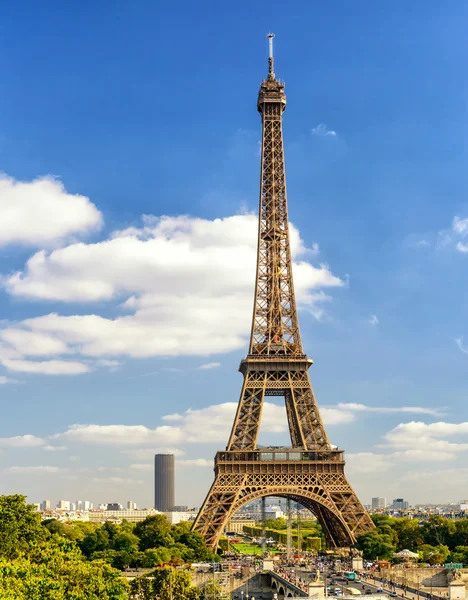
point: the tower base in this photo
(316, 480)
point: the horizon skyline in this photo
(129, 188)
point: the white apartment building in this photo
(175, 517)
(131, 515)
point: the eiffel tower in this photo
(311, 471)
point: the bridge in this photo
(289, 589)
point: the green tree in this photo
(460, 536)
(55, 570)
(54, 526)
(153, 532)
(212, 590)
(196, 542)
(409, 533)
(279, 523)
(155, 557)
(164, 584)
(95, 542)
(126, 541)
(376, 545)
(438, 531)
(434, 555)
(180, 528)
(20, 526)
(460, 555)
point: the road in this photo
(362, 586)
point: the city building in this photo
(175, 517)
(114, 506)
(164, 482)
(400, 504)
(379, 503)
(236, 525)
(63, 505)
(131, 505)
(83, 505)
(45, 505)
(273, 512)
(117, 516)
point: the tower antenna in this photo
(271, 60)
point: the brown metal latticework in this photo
(311, 472)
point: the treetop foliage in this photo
(436, 540)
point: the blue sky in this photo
(115, 111)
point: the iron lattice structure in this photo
(311, 471)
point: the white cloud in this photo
(373, 320)
(457, 233)
(460, 226)
(459, 342)
(424, 442)
(50, 448)
(187, 284)
(110, 364)
(36, 469)
(143, 453)
(21, 441)
(4, 380)
(211, 365)
(322, 130)
(196, 462)
(367, 462)
(142, 467)
(49, 367)
(118, 480)
(354, 407)
(33, 343)
(41, 212)
(336, 416)
(207, 425)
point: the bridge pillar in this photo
(317, 589)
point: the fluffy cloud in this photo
(36, 469)
(41, 212)
(461, 347)
(48, 367)
(196, 462)
(456, 235)
(367, 462)
(32, 343)
(117, 480)
(21, 441)
(322, 130)
(343, 406)
(211, 365)
(207, 425)
(422, 441)
(373, 320)
(143, 453)
(185, 282)
(142, 467)
(415, 433)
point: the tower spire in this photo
(271, 60)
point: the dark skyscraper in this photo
(164, 482)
